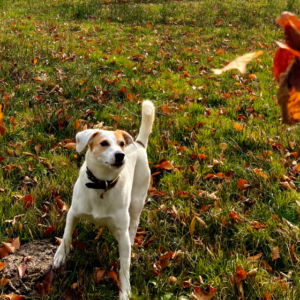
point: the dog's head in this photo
(106, 147)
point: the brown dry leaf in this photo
(2, 265)
(239, 63)
(70, 146)
(252, 273)
(187, 283)
(12, 297)
(3, 282)
(255, 258)
(166, 165)
(288, 94)
(275, 253)
(41, 289)
(12, 247)
(37, 148)
(201, 222)
(99, 274)
(200, 294)
(266, 266)
(47, 282)
(172, 279)
(113, 275)
(293, 255)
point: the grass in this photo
(95, 61)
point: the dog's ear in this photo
(85, 137)
(127, 137)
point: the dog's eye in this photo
(104, 143)
(122, 144)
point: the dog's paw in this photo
(123, 296)
(59, 259)
(126, 295)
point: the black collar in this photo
(99, 184)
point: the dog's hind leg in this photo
(64, 248)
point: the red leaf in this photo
(47, 282)
(28, 201)
(49, 230)
(282, 59)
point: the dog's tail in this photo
(148, 113)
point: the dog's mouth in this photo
(118, 164)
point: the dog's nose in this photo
(119, 156)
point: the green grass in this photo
(95, 45)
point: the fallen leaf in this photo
(2, 265)
(12, 297)
(49, 230)
(99, 274)
(275, 253)
(22, 269)
(239, 63)
(47, 282)
(192, 226)
(113, 275)
(243, 184)
(3, 282)
(70, 146)
(172, 279)
(200, 294)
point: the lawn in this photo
(228, 189)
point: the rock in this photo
(39, 257)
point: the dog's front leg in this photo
(64, 248)
(123, 239)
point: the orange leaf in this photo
(2, 129)
(241, 274)
(166, 165)
(12, 297)
(70, 146)
(238, 127)
(291, 25)
(267, 296)
(282, 59)
(2, 265)
(49, 230)
(1, 116)
(3, 282)
(242, 184)
(77, 124)
(113, 275)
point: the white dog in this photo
(111, 188)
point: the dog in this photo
(111, 188)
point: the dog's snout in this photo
(119, 156)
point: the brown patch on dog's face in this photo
(125, 136)
(120, 139)
(98, 144)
